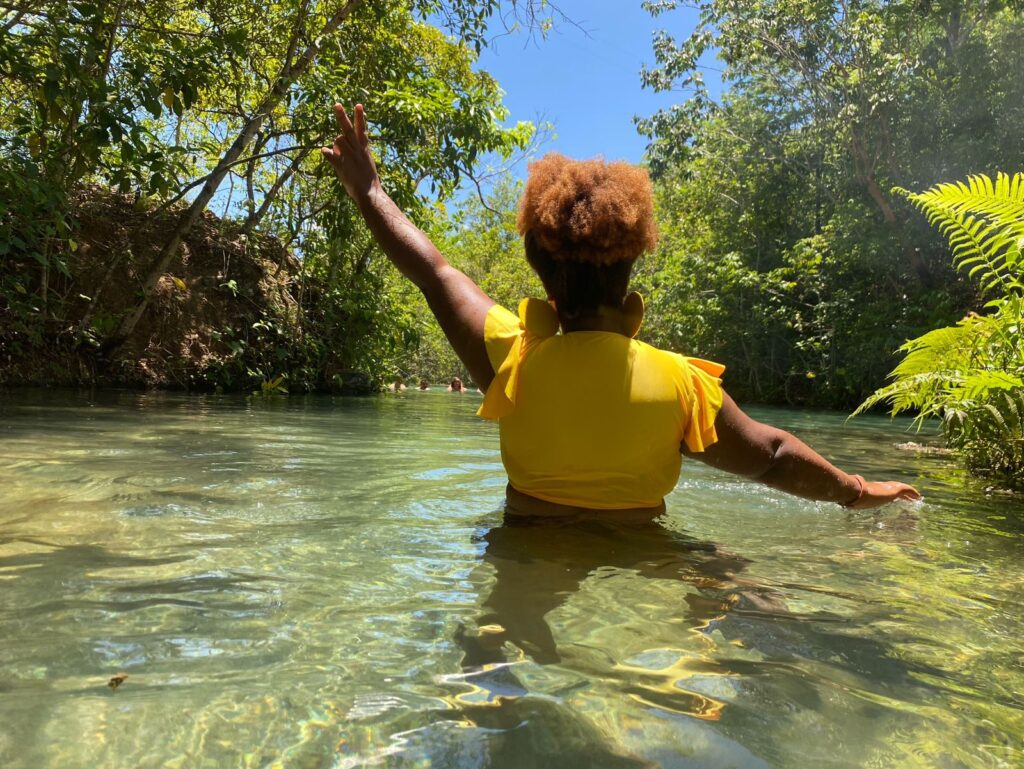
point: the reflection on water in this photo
(319, 582)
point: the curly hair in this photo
(588, 210)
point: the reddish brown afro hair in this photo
(588, 210)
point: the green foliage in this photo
(984, 222)
(164, 100)
(784, 253)
(971, 375)
(270, 388)
(480, 239)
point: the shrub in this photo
(971, 376)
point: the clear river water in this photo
(328, 582)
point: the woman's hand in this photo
(878, 493)
(350, 156)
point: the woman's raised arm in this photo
(459, 305)
(780, 460)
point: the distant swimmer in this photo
(456, 386)
(424, 384)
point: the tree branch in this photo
(228, 166)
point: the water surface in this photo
(327, 582)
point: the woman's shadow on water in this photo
(538, 564)
(537, 567)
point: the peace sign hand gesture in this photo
(350, 156)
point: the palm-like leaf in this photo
(1003, 198)
(984, 222)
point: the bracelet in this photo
(860, 493)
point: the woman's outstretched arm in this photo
(780, 460)
(456, 301)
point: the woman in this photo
(590, 419)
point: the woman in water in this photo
(590, 419)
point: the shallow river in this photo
(319, 582)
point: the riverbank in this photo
(233, 311)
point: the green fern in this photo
(935, 366)
(971, 376)
(984, 222)
(1003, 198)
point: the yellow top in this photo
(593, 418)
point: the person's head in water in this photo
(424, 384)
(456, 385)
(584, 224)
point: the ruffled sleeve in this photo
(508, 338)
(501, 329)
(703, 388)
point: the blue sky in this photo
(585, 78)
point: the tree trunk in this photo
(864, 172)
(250, 172)
(953, 30)
(290, 72)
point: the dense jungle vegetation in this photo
(786, 252)
(165, 219)
(197, 123)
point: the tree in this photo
(776, 197)
(200, 104)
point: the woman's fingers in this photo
(909, 492)
(344, 124)
(903, 491)
(361, 133)
(332, 154)
(350, 155)
(880, 493)
(353, 135)
(896, 490)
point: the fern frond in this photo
(984, 222)
(918, 392)
(978, 247)
(971, 375)
(979, 385)
(1013, 406)
(948, 349)
(997, 417)
(1002, 199)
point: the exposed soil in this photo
(200, 317)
